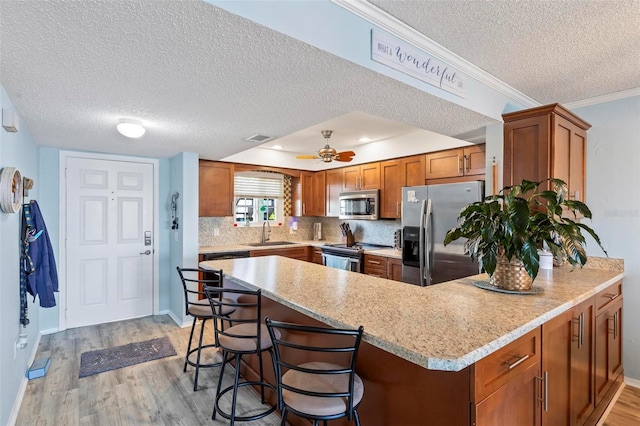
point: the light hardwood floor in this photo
(626, 411)
(155, 392)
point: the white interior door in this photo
(109, 247)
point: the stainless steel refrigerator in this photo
(428, 212)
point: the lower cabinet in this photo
(394, 269)
(565, 372)
(608, 348)
(567, 366)
(316, 255)
(375, 265)
(383, 267)
(300, 253)
(506, 384)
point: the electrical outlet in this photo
(216, 232)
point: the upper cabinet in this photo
(215, 189)
(364, 176)
(456, 165)
(546, 142)
(394, 174)
(313, 194)
(333, 190)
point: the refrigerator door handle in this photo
(423, 207)
(427, 247)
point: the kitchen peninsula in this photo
(450, 353)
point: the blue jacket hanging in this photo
(38, 264)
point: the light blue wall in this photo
(16, 150)
(49, 159)
(613, 195)
(184, 241)
(164, 244)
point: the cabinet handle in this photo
(397, 208)
(612, 296)
(459, 165)
(304, 208)
(519, 361)
(375, 262)
(615, 325)
(545, 390)
(580, 330)
(466, 163)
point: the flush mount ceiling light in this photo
(130, 128)
(277, 147)
(364, 139)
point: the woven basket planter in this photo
(511, 275)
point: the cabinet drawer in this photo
(496, 369)
(607, 296)
(375, 265)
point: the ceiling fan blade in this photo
(306, 157)
(345, 156)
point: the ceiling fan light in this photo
(130, 128)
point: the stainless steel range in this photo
(346, 257)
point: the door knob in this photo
(147, 252)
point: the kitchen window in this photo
(259, 197)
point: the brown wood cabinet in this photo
(546, 142)
(394, 174)
(300, 253)
(310, 199)
(364, 176)
(567, 366)
(608, 340)
(394, 269)
(215, 188)
(333, 190)
(375, 265)
(456, 165)
(316, 255)
(505, 384)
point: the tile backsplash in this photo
(369, 231)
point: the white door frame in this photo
(62, 270)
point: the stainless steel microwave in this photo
(360, 205)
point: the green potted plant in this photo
(505, 231)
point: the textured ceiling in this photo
(202, 79)
(552, 51)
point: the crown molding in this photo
(394, 26)
(603, 98)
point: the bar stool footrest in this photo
(246, 418)
(195, 364)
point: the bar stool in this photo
(200, 309)
(247, 336)
(326, 387)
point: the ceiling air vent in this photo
(259, 138)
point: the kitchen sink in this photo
(270, 243)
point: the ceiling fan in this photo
(328, 154)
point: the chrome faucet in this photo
(265, 235)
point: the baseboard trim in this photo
(17, 403)
(632, 382)
(174, 317)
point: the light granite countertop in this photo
(447, 326)
(226, 248)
